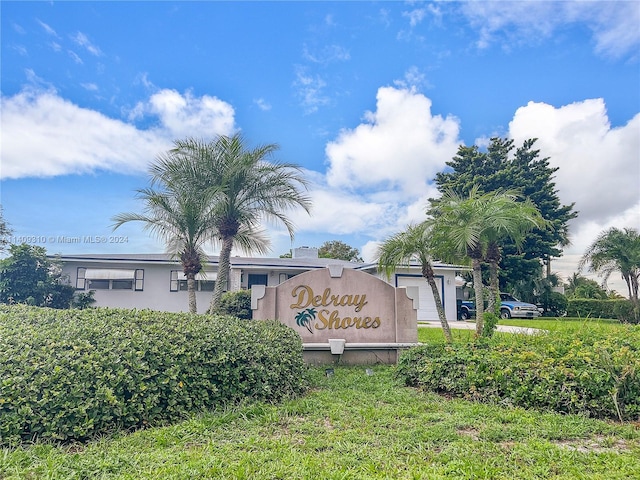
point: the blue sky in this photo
(371, 98)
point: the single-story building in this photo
(157, 282)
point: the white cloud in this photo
(415, 16)
(45, 135)
(369, 251)
(92, 87)
(413, 79)
(614, 25)
(599, 170)
(76, 58)
(379, 173)
(399, 147)
(47, 28)
(310, 90)
(262, 104)
(326, 55)
(186, 115)
(82, 40)
(599, 166)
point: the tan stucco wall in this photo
(337, 303)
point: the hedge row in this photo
(623, 310)
(591, 373)
(72, 374)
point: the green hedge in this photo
(621, 309)
(237, 304)
(72, 374)
(591, 372)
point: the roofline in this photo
(237, 262)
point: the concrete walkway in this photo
(462, 325)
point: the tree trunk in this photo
(191, 290)
(493, 258)
(224, 265)
(477, 287)
(494, 287)
(427, 272)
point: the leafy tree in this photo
(473, 227)
(243, 188)
(403, 248)
(583, 287)
(522, 170)
(339, 250)
(28, 276)
(616, 250)
(179, 214)
(5, 232)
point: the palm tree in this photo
(507, 217)
(245, 188)
(473, 227)
(413, 244)
(180, 216)
(616, 250)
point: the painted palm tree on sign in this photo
(180, 216)
(473, 227)
(305, 317)
(245, 187)
(616, 250)
(414, 244)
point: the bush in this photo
(590, 372)
(73, 374)
(556, 305)
(237, 304)
(621, 309)
(626, 312)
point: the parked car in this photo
(510, 307)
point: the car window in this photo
(508, 298)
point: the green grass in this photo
(434, 335)
(350, 426)
(562, 323)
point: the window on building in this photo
(98, 284)
(257, 279)
(110, 279)
(205, 282)
(122, 284)
(283, 277)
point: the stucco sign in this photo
(340, 303)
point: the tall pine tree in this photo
(502, 168)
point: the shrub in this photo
(590, 372)
(621, 309)
(237, 304)
(556, 305)
(72, 374)
(626, 312)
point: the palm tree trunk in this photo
(477, 287)
(427, 272)
(191, 290)
(224, 265)
(493, 258)
(494, 287)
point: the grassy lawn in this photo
(350, 426)
(430, 335)
(355, 425)
(562, 323)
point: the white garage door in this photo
(427, 308)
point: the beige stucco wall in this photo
(336, 303)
